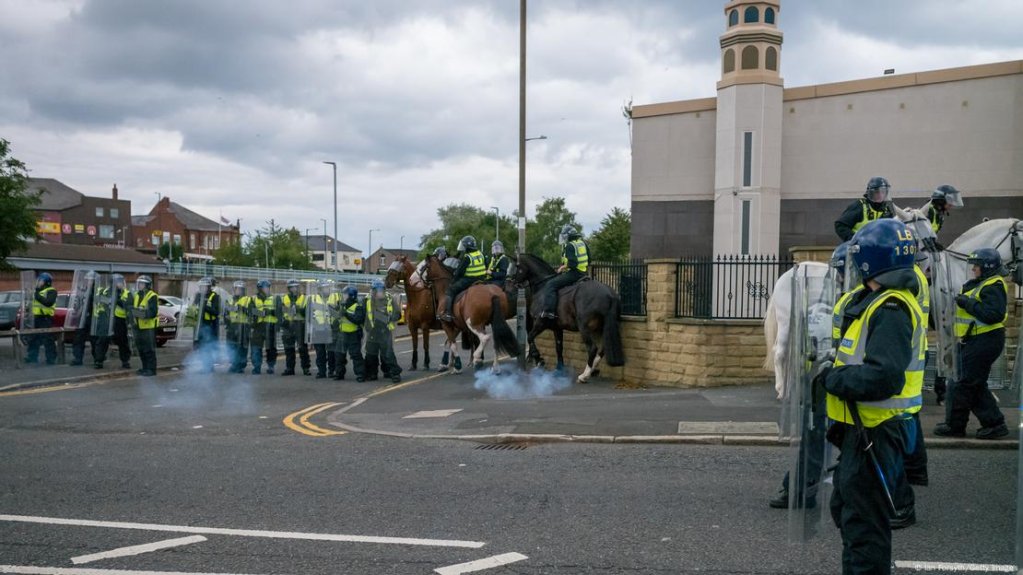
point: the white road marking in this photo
(953, 567)
(481, 564)
(138, 549)
(434, 413)
(28, 570)
(246, 532)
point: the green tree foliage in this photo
(234, 254)
(611, 241)
(285, 249)
(460, 220)
(170, 251)
(542, 232)
(17, 219)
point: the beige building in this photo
(762, 168)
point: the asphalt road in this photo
(212, 464)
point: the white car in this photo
(172, 303)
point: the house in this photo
(170, 222)
(380, 259)
(67, 216)
(321, 250)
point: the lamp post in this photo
(307, 243)
(401, 245)
(369, 248)
(520, 311)
(497, 223)
(334, 166)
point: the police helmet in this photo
(205, 282)
(239, 287)
(263, 284)
(877, 190)
(467, 244)
(496, 247)
(118, 280)
(947, 194)
(90, 275)
(45, 278)
(441, 253)
(351, 292)
(293, 284)
(377, 285)
(988, 259)
(839, 256)
(325, 285)
(881, 246)
(568, 232)
(144, 282)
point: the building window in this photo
(115, 213)
(729, 65)
(99, 212)
(733, 18)
(138, 242)
(769, 16)
(747, 159)
(383, 261)
(177, 239)
(771, 58)
(348, 259)
(744, 243)
(750, 58)
(191, 241)
(751, 15)
(106, 232)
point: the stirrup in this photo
(548, 315)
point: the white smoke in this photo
(513, 384)
(197, 390)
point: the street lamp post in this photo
(401, 245)
(369, 248)
(307, 243)
(497, 223)
(334, 166)
(520, 311)
(326, 248)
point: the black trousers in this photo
(916, 457)
(971, 393)
(82, 335)
(549, 294)
(145, 340)
(263, 336)
(458, 286)
(45, 340)
(380, 352)
(120, 339)
(292, 336)
(858, 505)
(350, 345)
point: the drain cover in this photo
(503, 446)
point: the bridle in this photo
(1010, 233)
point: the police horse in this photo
(420, 313)
(1005, 235)
(588, 307)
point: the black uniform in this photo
(47, 297)
(209, 329)
(549, 291)
(349, 344)
(83, 334)
(120, 335)
(977, 354)
(497, 270)
(293, 332)
(858, 504)
(145, 337)
(854, 214)
(379, 339)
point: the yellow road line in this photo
(306, 428)
(398, 386)
(48, 389)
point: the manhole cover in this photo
(503, 446)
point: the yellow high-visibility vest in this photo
(238, 310)
(869, 215)
(369, 312)
(143, 306)
(119, 310)
(581, 257)
(347, 325)
(965, 321)
(40, 309)
(477, 267)
(265, 309)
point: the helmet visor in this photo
(877, 195)
(954, 199)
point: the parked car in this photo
(166, 330)
(171, 303)
(10, 302)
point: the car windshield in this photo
(169, 300)
(10, 297)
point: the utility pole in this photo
(520, 312)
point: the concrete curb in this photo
(85, 378)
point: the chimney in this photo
(114, 193)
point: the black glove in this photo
(963, 301)
(938, 246)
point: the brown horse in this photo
(420, 314)
(478, 306)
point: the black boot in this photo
(945, 430)
(994, 432)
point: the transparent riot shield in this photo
(809, 347)
(943, 316)
(852, 278)
(236, 315)
(28, 293)
(195, 295)
(318, 314)
(103, 302)
(80, 300)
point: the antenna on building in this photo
(627, 112)
(889, 71)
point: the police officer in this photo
(145, 313)
(381, 315)
(83, 333)
(943, 199)
(319, 316)
(263, 331)
(238, 327)
(120, 336)
(292, 313)
(872, 206)
(876, 379)
(334, 305)
(980, 323)
(497, 267)
(208, 322)
(102, 320)
(574, 263)
(353, 315)
(472, 267)
(44, 301)
(441, 253)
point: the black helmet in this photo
(988, 259)
(947, 194)
(467, 244)
(839, 255)
(351, 292)
(877, 190)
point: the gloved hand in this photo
(938, 246)
(962, 301)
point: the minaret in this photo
(747, 178)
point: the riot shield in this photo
(943, 316)
(194, 295)
(28, 293)
(102, 306)
(1017, 378)
(236, 315)
(80, 300)
(809, 346)
(318, 318)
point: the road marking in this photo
(27, 570)
(481, 564)
(398, 386)
(303, 425)
(246, 532)
(727, 428)
(953, 567)
(49, 389)
(434, 413)
(138, 549)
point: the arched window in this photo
(771, 59)
(750, 58)
(769, 16)
(733, 18)
(751, 16)
(729, 63)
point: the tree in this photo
(611, 241)
(542, 233)
(460, 220)
(17, 218)
(284, 248)
(170, 251)
(234, 254)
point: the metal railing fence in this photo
(629, 279)
(727, 287)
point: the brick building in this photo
(170, 222)
(67, 216)
(382, 257)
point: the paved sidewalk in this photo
(29, 376)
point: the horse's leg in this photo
(456, 362)
(559, 348)
(414, 330)
(591, 354)
(426, 346)
(484, 338)
(534, 352)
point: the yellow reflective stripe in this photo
(40, 309)
(347, 325)
(869, 215)
(265, 307)
(477, 265)
(963, 318)
(582, 258)
(369, 312)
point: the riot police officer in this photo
(291, 307)
(943, 199)
(872, 206)
(319, 316)
(238, 327)
(353, 315)
(497, 267)
(574, 263)
(84, 330)
(472, 268)
(121, 299)
(44, 301)
(263, 333)
(208, 323)
(145, 313)
(381, 315)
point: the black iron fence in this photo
(727, 287)
(628, 278)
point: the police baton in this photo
(869, 449)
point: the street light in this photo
(497, 223)
(401, 246)
(307, 243)
(333, 165)
(540, 137)
(369, 250)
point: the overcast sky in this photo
(230, 107)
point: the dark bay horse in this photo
(588, 307)
(420, 314)
(477, 307)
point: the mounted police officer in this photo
(263, 333)
(497, 267)
(291, 307)
(381, 315)
(145, 314)
(353, 315)
(980, 325)
(575, 261)
(472, 267)
(238, 327)
(943, 199)
(872, 391)
(44, 301)
(441, 253)
(872, 206)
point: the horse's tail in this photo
(770, 334)
(613, 353)
(504, 337)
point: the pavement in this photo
(540, 407)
